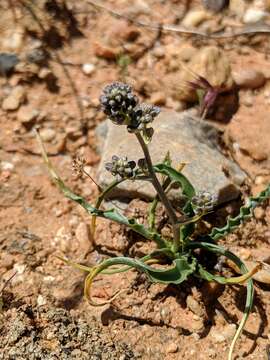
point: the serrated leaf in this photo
(245, 213)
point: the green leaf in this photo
(177, 273)
(245, 213)
(187, 188)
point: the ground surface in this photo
(44, 315)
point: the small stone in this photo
(7, 63)
(105, 52)
(259, 213)
(253, 15)
(88, 68)
(249, 78)
(211, 63)
(195, 306)
(47, 135)
(26, 115)
(41, 300)
(221, 335)
(159, 52)
(63, 239)
(83, 236)
(215, 5)
(195, 18)
(7, 166)
(14, 99)
(247, 99)
(45, 73)
(13, 40)
(171, 348)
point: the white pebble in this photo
(88, 68)
(6, 166)
(253, 15)
(41, 300)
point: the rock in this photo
(209, 62)
(194, 18)
(62, 239)
(7, 63)
(195, 306)
(26, 115)
(83, 236)
(215, 5)
(188, 140)
(171, 348)
(6, 166)
(14, 99)
(250, 142)
(45, 73)
(47, 135)
(41, 300)
(253, 15)
(220, 335)
(105, 51)
(88, 68)
(249, 78)
(12, 40)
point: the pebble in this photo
(47, 135)
(226, 333)
(6, 166)
(209, 62)
(253, 15)
(88, 68)
(41, 300)
(259, 213)
(7, 63)
(171, 348)
(195, 18)
(249, 78)
(215, 5)
(13, 40)
(14, 99)
(83, 236)
(105, 52)
(195, 306)
(62, 239)
(26, 115)
(45, 73)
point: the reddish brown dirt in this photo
(192, 321)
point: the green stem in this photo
(163, 198)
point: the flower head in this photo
(121, 167)
(143, 115)
(118, 102)
(203, 202)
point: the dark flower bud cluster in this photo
(121, 106)
(143, 115)
(118, 102)
(203, 202)
(121, 167)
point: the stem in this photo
(99, 201)
(163, 198)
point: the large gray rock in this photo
(188, 140)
